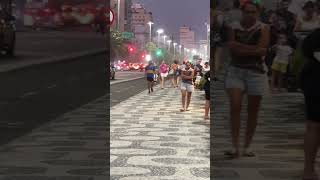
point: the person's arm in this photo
(240, 49)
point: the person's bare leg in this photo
(235, 96)
(162, 82)
(176, 81)
(311, 145)
(207, 109)
(188, 99)
(172, 80)
(149, 86)
(183, 100)
(253, 111)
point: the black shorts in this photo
(150, 79)
(312, 107)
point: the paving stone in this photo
(164, 138)
(278, 142)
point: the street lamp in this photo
(174, 49)
(208, 41)
(169, 42)
(180, 49)
(118, 14)
(159, 31)
(164, 39)
(150, 24)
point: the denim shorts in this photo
(251, 82)
(186, 87)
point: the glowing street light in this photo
(150, 24)
(169, 42)
(148, 57)
(159, 31)
(164, 39)
(174, 49)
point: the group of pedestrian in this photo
(250, 42)
(182, 76)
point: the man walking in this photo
(150, 73)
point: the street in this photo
(34, 96)
(38, 46)
(122, 91)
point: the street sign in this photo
(127, 35)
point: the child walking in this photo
(280, 63)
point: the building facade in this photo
(139, 24)
(187, 38)
(123, 19)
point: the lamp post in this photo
(159, 31)
(164, 40)
(118, 15)
(208, 41)
(150, 24)
(169, 42)
(174, 49)
(180, 49)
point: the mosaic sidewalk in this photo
(278, 142)
(152, 140)
(71, 147)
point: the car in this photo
(124, 67)
(7, 33)
(135, 66)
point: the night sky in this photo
(172, 14)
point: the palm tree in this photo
(117, 45)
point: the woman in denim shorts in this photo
(248, 42)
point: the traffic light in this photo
(158, 52)
(131, 49)
(143, 56)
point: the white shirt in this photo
(309, 25)
(283, 53)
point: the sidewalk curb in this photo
(51, 60)
(125, 80)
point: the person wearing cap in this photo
(310, 82)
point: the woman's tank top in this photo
(187, 73)
(249, 36)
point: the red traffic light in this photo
(131, 49)
(143, 56)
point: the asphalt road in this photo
(33, 96)
(124, 90)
